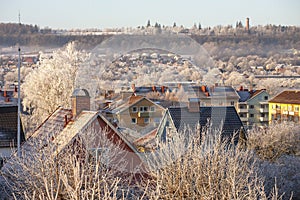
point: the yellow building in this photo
(285, 106)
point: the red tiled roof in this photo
(146, 138)
(256, 92)
(288, 96)
(54, 123)
(134, 99)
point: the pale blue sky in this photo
(132, 13)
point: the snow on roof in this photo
(73, 128)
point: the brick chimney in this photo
(80, 100)
(194, 105)
(162, 89)
(133, 87)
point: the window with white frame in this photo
(144, 108)
(146, 120)
(273, 106)
(134, 109)
(133, 120)
(152, 108)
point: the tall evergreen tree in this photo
(148, 23)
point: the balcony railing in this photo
(264, 110)
(143, 114)
(264, 119)
(242, 110)
(244, 119)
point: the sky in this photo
(83, 14)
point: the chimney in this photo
(162, 89)
(241, 88)
(194, 105)
(80, 100)
(153, 88)
(5, 93)
(247, 24)
(133, 87)
(203, 88)
(66, 120)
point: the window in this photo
(273, 106)
(232, 103)
(133, 120)
(273, 117)
(243, 115)
(290, 108)
(266, 97)
(134, 109)
(262, 115)
(277, 106)
(296, 109)
(146, 120)
(152, 109)
(144, 108)
(251, 106)
(251, 115)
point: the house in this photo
(7, 96)
(136, 113)
(222, 118)
(8, 131)
(65, 127)
(253, 107)
(217, 95)
(285, 106)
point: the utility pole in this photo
(19, 98)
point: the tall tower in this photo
(247, 24)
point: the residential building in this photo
(217, 95)
(221, 118)
(136, 112)
(8, 131)
(65, 127)
(253, 108)
(285, 106)
(8, 96)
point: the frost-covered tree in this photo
(212, 76)
(52, 83)
(12, 76)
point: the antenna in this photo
(19, 100)
(19, 17)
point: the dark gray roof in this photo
(8, 126)
(244, 95)
(217, 116)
